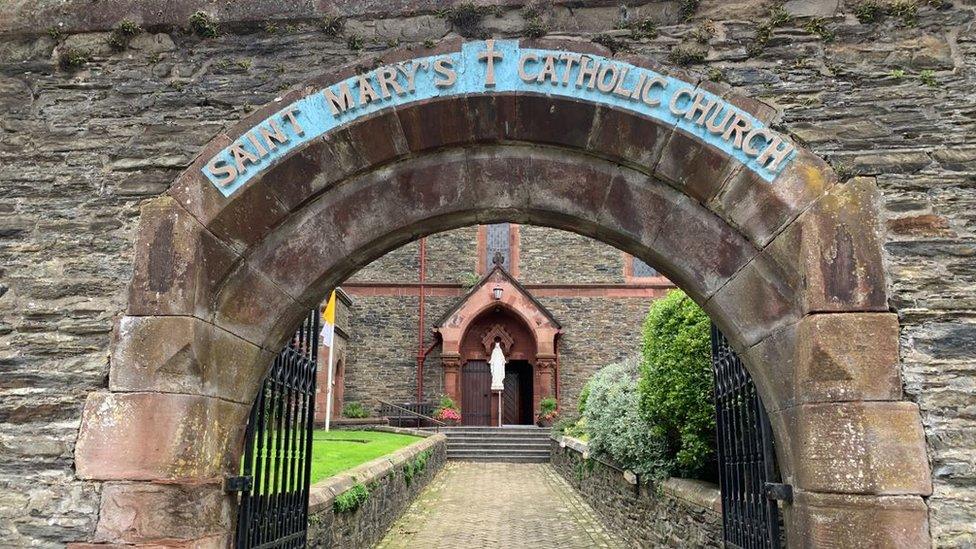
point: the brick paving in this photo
(473, 505)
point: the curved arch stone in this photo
(787, 263)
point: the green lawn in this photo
(337, 451)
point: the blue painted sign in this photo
(501, 66)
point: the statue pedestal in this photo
(496, 408)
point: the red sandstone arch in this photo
(792, 273)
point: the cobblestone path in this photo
(512, 505)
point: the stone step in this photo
(500, 436)
(507, 458)
(497, 452)
(487, 444)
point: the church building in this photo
(422, 321)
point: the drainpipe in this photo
(421, 355)
(556, 349)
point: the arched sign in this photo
(502, 66)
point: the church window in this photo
(498, 240)
(643, 270)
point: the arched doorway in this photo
(784, 259)
(497, 325)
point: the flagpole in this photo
(328, 390)
(328, 338)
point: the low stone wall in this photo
(390, 489)
(684, 513)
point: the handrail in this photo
(436, 422)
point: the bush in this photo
(354, 410)
(615, 426)
(547, 405)
(584, 394)
(676, 382)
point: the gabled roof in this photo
(484, 280)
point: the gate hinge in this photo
(780, 492)
(238, 484)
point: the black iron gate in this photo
(746, 458)
(274, 481)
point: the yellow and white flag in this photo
(328, 321)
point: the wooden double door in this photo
(476, 393)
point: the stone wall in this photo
(683, 513)
(550, 256)
(390, 493)
(88, 132)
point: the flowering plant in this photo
(448, 414)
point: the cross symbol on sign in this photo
(489, 56)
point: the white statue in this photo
(497, 363)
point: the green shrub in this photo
(354, 410)
(578, 429)
(351, 499)
(547, 405)
(676, 382)
(562, 424)
(584, 394)
(615, 426)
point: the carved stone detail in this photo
(506, 339)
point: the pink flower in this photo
(448, 414)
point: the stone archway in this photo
(785, 259)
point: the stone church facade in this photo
(592, 290)
(109, 336)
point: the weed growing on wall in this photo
(416, 466)
(204, 25)
(122, 34)
(351, 499)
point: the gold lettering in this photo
(774, 153)
(651, 82)
(242, 155)
(366, 91)
(526, 57)
(601, 83)
(270, 137)
(295, 126)
(339, 103)
(675, 109)
(222, 170)
(445, 67)
(387, 78)
(548, 71)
